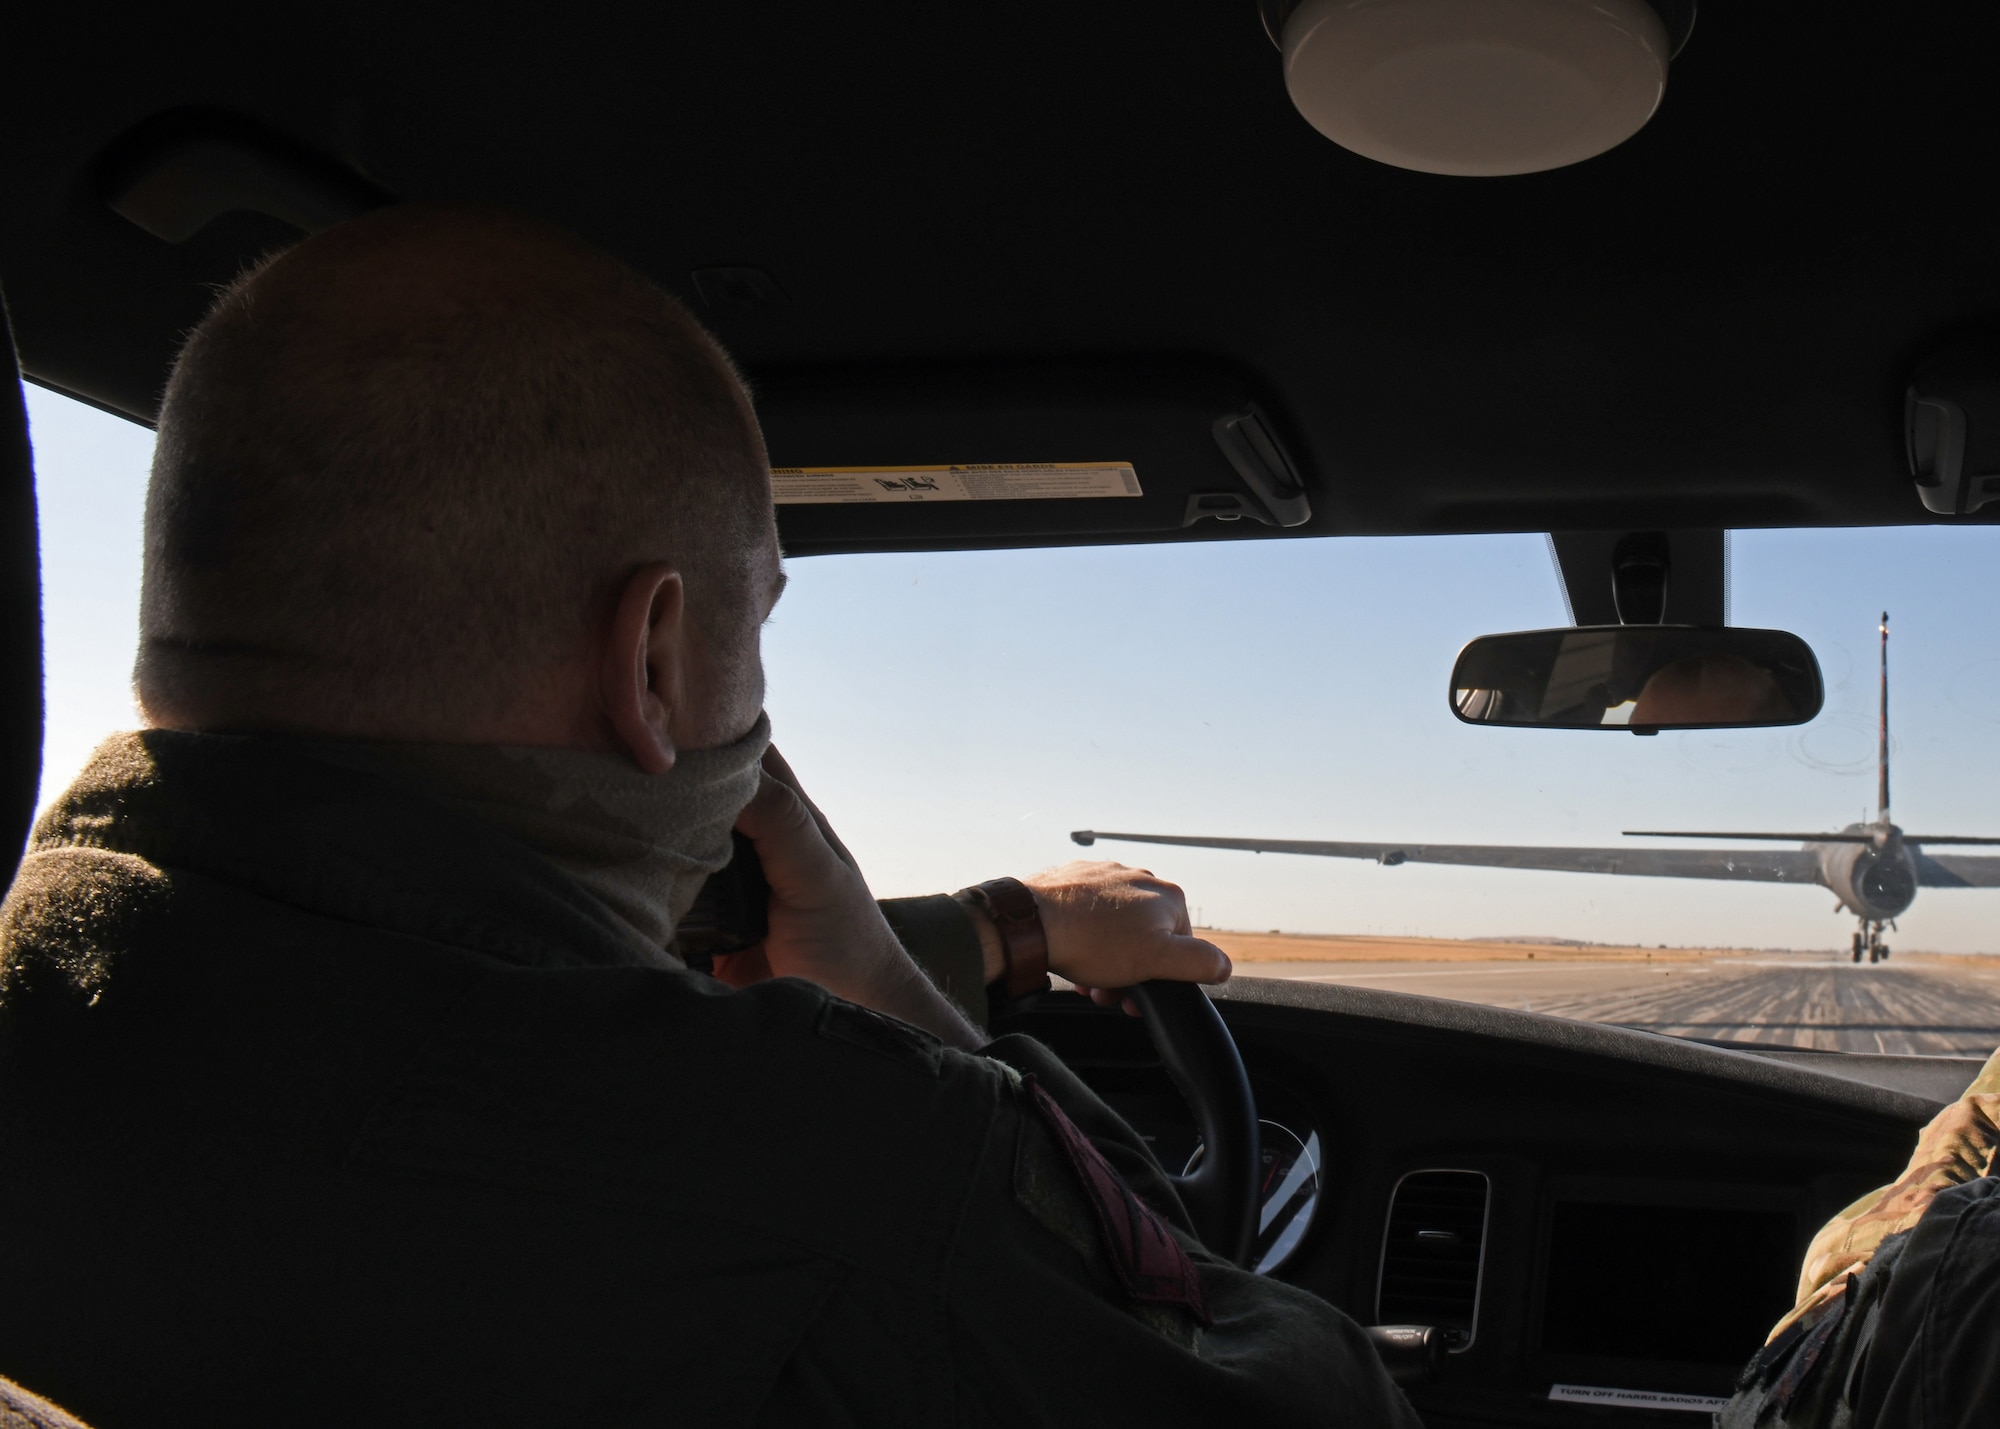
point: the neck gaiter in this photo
(643, 844)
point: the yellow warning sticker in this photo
(1006, 481)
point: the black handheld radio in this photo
(730, 913)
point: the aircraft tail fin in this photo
(1882, 747)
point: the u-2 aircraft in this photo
(1874, 869)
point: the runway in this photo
(1945, 1006)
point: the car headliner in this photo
(987, 224)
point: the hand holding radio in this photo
(822, 923)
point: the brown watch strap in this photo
(1011, 906)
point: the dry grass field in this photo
(1354, 948)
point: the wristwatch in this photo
(1024, 945)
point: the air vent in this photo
(1431, 1254)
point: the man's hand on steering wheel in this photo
(1109, 927)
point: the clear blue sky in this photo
(958, 714)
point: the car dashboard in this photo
(1603, 1223)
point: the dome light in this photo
(1477, 87)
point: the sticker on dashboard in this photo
(1004, 481)
(1634, 1398)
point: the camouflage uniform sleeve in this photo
(1958, 1146)
(1910, 1341)
(1814, 1369)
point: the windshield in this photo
(959, 715)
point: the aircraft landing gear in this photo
(1869, 940)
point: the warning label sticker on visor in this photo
(1010, 481)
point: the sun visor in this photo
(1022, 454)
(1951, 427)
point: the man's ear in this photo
(644, 676)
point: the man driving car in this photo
(344, 1058)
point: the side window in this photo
(90, 481)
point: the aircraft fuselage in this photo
(1875, 880)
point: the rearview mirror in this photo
(1642, 678)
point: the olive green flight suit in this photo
(324, 1103)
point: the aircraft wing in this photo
(1958, 870)
(1753, 865)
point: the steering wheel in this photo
(1221, 1193)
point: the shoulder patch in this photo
(1148, 1262)
(884, 1036)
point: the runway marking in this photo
(1802, 963)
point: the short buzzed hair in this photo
(418, 453)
